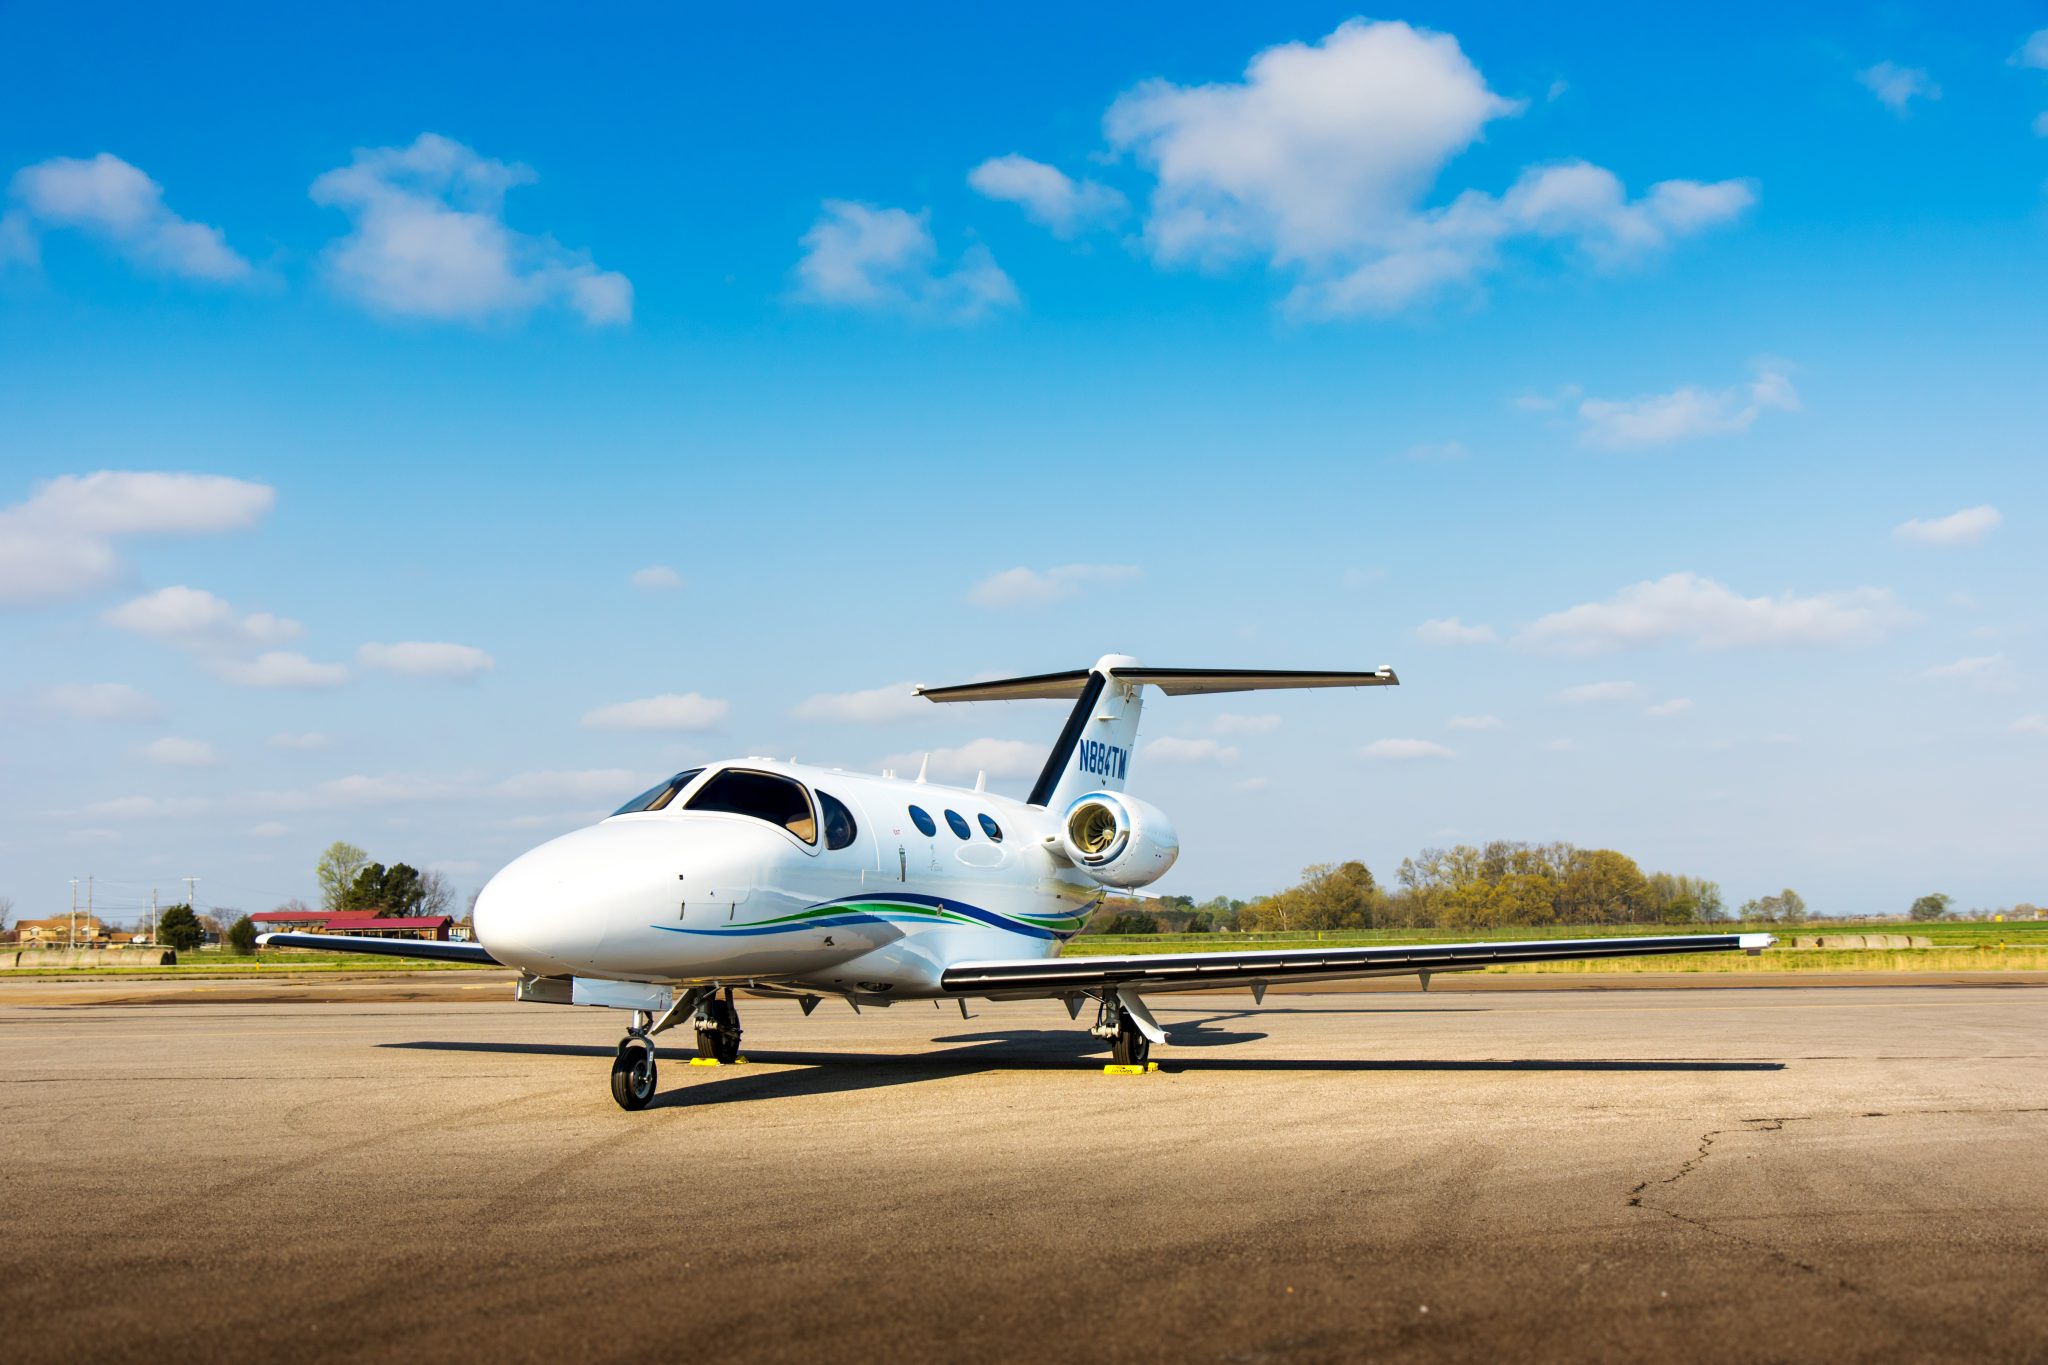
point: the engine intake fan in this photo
(1117, 839)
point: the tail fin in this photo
(1093, 752)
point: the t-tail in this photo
(1093, 751)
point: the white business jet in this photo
(789, 880)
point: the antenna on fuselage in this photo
(926, 763)
(981, 781)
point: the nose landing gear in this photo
(633, 1071)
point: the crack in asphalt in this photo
(1774, 1124)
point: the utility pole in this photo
(191, 901)
(88, 901)
(152, 914)
(71, 934)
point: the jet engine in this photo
(1118, 840)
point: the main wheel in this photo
(722, 1042)
(1131, 1047)
(633, 1077)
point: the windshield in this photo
(655, 797)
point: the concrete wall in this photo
(47, 959)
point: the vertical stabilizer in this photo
(1093, 752)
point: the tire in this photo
(722, 1043)
(1131, 1047)
(633, 1077)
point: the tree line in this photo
(1465, 886)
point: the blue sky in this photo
(1662, 394)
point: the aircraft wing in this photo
(436, 950)
(1149, 972)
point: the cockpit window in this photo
(765, 796)
(839, 826)
(655, 797)
(959, 824)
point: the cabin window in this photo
(959, 824)
(922, 821)
(839, 826)
(989, 827)
(655, 797)
(764, 796)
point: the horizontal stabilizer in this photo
(435, 950)
(1175, 682)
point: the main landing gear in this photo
(633, 1068)
(1126, 1044)
(718, 1029)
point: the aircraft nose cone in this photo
(550, 910)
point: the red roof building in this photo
(278, 918)
(389, 926)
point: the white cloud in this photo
(876, 706)
(588, 784)
(1558, 746)
(670, 711)
(430, 240)
(1321, 158)
(361, 789)
(657, 578)
(279, 669)
(180, 753)
(1475, 723)
(2034, 51)
(426, 659)
(1436, 452)
(2030, 725)
(1450, 630)
(862, 256)
(1677, 706)
(1021, 587)
(1049, 196)
(58, 543)
(1966, 527)
(1232, 724)
(996, 757)
(1984, 673)
(1897, 86)
(1253, 784)
(1406, 749)
(1683, 414)
(149, 807)
(101, 702)
(303, 743)
(1687, 607)
(269, 829)
(1600, 692)
(195, 619)
(1169, 749)
(107, 198)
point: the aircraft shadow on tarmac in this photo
(817, 1073)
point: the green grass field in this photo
(2020, 946)
(2010, 947)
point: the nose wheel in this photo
(633, 1070)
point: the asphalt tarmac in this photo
(1724, 1174)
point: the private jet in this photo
(784, 879)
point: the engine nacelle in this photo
(1118, 840)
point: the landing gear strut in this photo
(718, 1029)
(633, 1068)
(1126, 1044)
